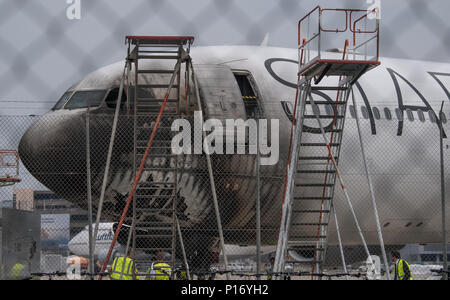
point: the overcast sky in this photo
(43, 52)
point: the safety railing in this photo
(9, 161)
(359, 25)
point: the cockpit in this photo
(89, 98)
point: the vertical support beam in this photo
(444, 226)
(89, 195)
(126, 72)
(372, 193)
(211, 177)
(180, 236)
(258, 205)
(286, 210)
(341, 248)
(135, 131)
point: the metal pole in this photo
(180, 236)
(89, 196)
(372, 193)
(286, 209)
(444, 229)
(341, 248)
(211, 179)
(110, 150)
(258, 207)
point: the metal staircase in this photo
(316, 139)
(156, 84)
(315, 176)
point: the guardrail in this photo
(313, 22)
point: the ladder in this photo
(316, 138)
(157, 76)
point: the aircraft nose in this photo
(53, 151)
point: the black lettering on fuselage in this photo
(288, 109)
(435, 76)
(288, 105)
(404, 107)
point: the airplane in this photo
(79, 244)
(392, 98)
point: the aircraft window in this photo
(376, 113)
(421, 115)
(111, 99)
(364, 112)
(352, 111)
(387, 113)
(62, 100)
(249, 96)
(399, 114)
(290, 108)
(432, 116)
(443, 118)
(410, 115)
(85, 98)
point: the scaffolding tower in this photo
(156, 98)
(9, 167)
(155, 199)
(310, 180)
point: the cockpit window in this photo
(85, 99)
(111, 100)
(62, 100)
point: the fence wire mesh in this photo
(44, 53)
(56, 158)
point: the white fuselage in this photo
(403, 157)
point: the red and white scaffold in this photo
(9, 167)
(310, 180)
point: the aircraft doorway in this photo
(250, 95)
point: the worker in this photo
(2, 273)
(18, 272)
(269, 268)
(159, 269)
(123, 267)
(402, 271)
(181, 273)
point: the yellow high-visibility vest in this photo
(122, 269)
(17, 272)
(160, 271)
(400, 271)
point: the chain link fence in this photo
(53, 150)
(44, 53)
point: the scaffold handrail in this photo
(5, 178)
(4, 164)
(147, 39)
(350, 27)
